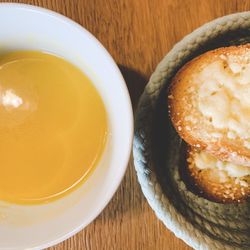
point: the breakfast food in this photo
(209, 103)
(53, 127)
(220, 181)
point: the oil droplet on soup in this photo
(53, 127)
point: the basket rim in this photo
(151, 189)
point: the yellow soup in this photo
(53, 127)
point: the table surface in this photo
(137, 33)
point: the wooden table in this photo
(137, 33)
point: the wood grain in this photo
(137, 33)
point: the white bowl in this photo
(40, 226)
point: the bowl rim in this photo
(130, 121)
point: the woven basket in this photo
(158, 150)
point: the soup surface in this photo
(53, 127)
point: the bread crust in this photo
(182, 95)
(210, 186)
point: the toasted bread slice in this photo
(209, 103)
(220, 181)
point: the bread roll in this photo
(209, 103)
(219, 181)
